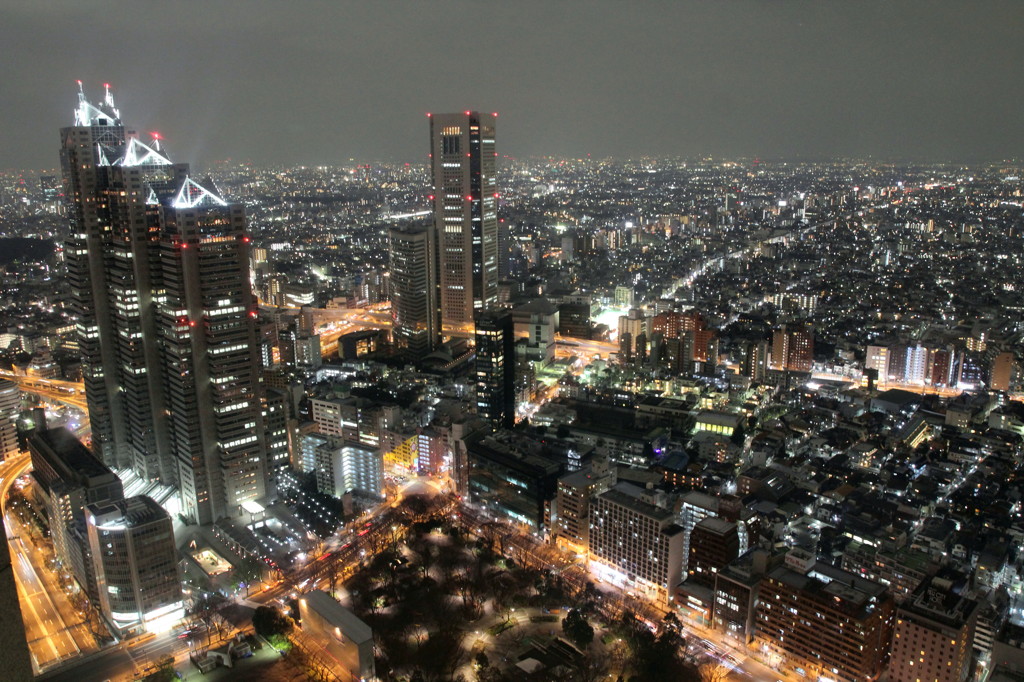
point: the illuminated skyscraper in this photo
(495, 367)
(413, 284)
(158, 267)
(465, 216)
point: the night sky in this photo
(288, 81)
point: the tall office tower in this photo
(496, 367)
(85, 151)
(465, 216)
(136, 564)
(166, 317)
(504, 250)
(413, 275)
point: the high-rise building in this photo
(1002, 371)
(346, 467)
(755, 361)
(414, 313)
(159, 268)
(793, 348)
(465, 201)
(713, 543)
(496, 367)
(136, 564)
(634, 543)
(570, 522)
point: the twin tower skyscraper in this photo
(445, 273)
(158, 266)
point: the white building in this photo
(634, 544)
(341, 468)
(136, 564)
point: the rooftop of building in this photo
(936, 600)
(850, 592)
(71, 452)
(337, 615)
(713, 524)
(627, 495)
(541, 306)
(131, 512)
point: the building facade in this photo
(465, 198)
(158, 266)
(496, 367)
(934, 635)
(822, 622)
(634, 543)
(136, 565)
(413, 282)
(68, 477)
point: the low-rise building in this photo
(346, 638)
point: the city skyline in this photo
(930, 81)
(753, 419)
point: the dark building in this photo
(737, 586)
(510, 482)
(14, 644)
(714, 543)
(361, 344)
(68, 477)
(574, 320)
(496, 367)
(415, 327)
